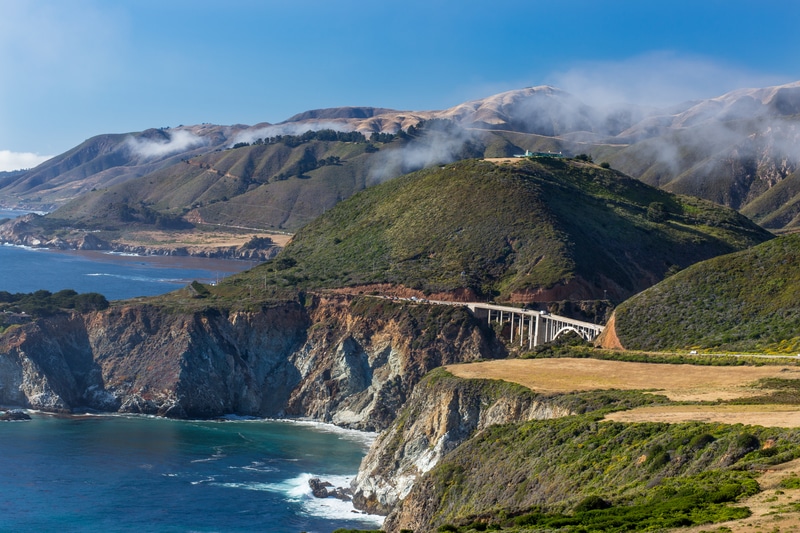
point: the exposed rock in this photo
(319, 488)
(14, 415)
(325, 489)
(442, 412)
(336, 360)
(92, 242)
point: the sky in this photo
(73, 69)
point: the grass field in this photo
(686, 383)
(776, 508)
(199, 239)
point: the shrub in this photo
(792, 482)
(701, 441)
(591, 503)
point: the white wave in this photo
(218, 454)
(256, 466)
(24, 247)
(365, 438)
(124, 254)
(297, 490)
(136, 278)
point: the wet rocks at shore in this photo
(14, 415)
(325, 489)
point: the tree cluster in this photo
(45, 303)
(307, 163)
(296, 140)
(144, 215)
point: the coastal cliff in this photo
(442, 413)
(339, 359)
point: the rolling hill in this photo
(108, 159)
(543, 230)
(733, 150)
(747, 301)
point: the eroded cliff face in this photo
(349, 361)
(442, 412)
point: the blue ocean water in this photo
(125, 474)
(113, 275)
(137, 474)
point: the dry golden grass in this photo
(499, 160)
(774, 509)
(677, 382)
(773, 415)
(195, 239)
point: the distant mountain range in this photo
(740, 150)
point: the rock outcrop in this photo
(442, 412)
(349, 361)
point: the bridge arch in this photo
(584, 335)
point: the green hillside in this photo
(740, 163)
(748, 301)
(530, 230)
(280, 183)
(778, 207)
(578, 474)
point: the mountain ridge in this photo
(731, 149)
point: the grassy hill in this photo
(582, 473)
(736, 163)
(281, 184)
(747, 301)
(778, 207)
(541, 230)
(256, 186)
(107, 160)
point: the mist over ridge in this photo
(733, 149)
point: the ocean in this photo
(116, 276)
(118, 473)
(114, 473)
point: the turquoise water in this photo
(126, 474)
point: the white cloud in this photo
(656, 79)
(274, 130)
(177, 141)
(20, 160)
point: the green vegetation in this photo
(580, 474)
(575, 346)
(748, 301)
(781, 391)
(495, 230)
(22, 307)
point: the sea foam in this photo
(298, 490)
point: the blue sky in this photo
(72, 69)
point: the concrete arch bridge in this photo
(534, 328)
